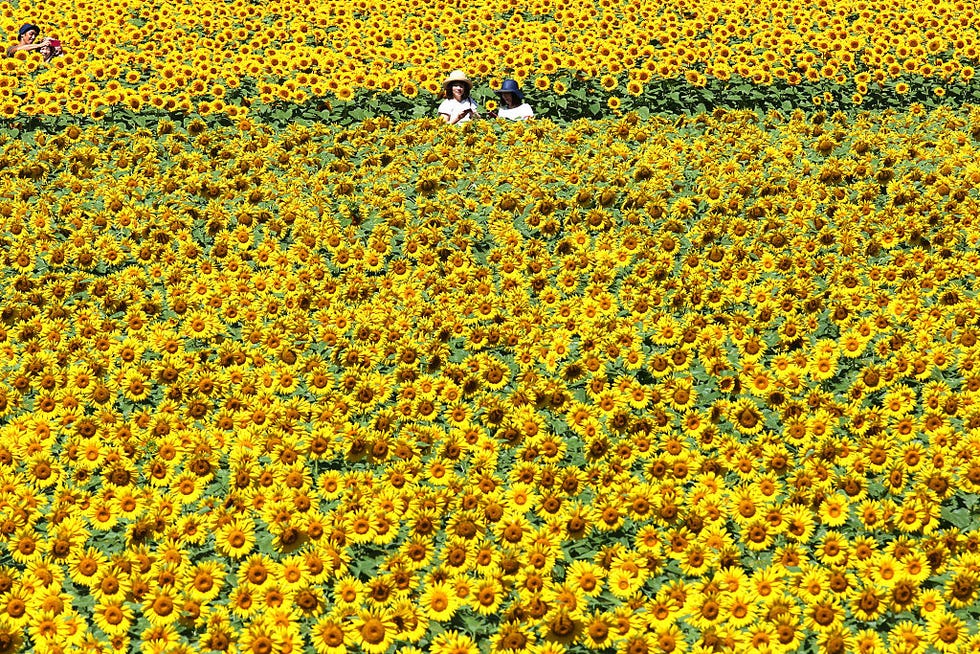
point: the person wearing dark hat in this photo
(26, 37)
(458, 107)
(512, 105)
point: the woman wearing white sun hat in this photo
(458, 107)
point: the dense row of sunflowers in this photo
(221, 57)
(700, 386)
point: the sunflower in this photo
(608, 82)
(261, 636)
(14, 607)
(47, 573)
(598, 630)
(111, 585)
(113, 619)
(160, 608)
(884, 569)
(823, 367)
(908, 636)
(962, 589)
(373, 631)
(587, 577)
(496, 375)
(453, 642)
(236, 538)
(205, 580)
(511, 637)
(486, 597)
(439, 602)
(135, 386)
(834, 510)
(84, 568)
(681, 394)
(746, 416)
(624, 584)
(408, 617)
(824, 616)
(739, 609)
(946, 632)
(328, 636)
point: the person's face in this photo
(458, 89)
(28, 37)
(510, 99)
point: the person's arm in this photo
(26, 46)
(463, 114)
(443, 111)
(452, 120)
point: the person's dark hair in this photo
(27, 27)
(510, 86)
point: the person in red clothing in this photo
(51, 49)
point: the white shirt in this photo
(452, 108)
(520, 112)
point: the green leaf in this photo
(475, 625)
(959, 518)
(364, 567)
(969, 500)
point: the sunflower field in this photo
(688, 364)
(291, 61)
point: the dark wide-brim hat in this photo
(457, 77)
(510, 86)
